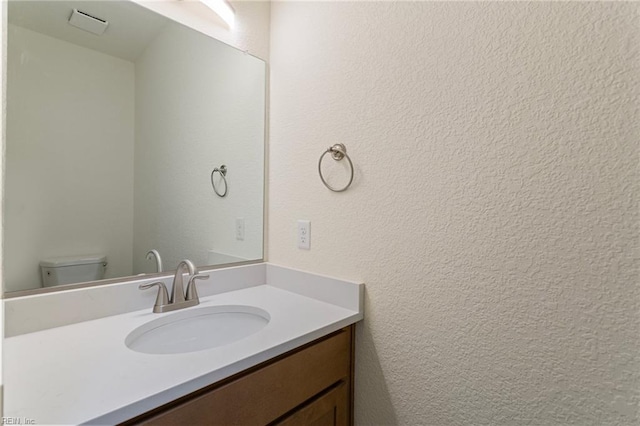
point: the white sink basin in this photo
(197, 329)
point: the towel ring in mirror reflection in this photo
(338, 152)
(223, 173)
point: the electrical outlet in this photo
(240, 229)
(304, 234)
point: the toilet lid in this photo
(56, 262)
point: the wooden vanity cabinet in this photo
(310, 385)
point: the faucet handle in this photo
(192, 293)
(163, 295)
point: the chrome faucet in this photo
(178, 299)
(154, 253)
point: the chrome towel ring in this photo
(223, 172)
(338, 152)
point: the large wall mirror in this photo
(111, 141)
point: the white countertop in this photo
(84, 373)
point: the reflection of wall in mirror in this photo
(62, 197)
(215, 106)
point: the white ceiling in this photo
(131, 26)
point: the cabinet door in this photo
(329, 409)
(265, 393)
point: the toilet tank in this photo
(69, 270)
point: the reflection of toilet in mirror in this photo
(69, 270)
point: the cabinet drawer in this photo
(268, 392)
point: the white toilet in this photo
(69, 270)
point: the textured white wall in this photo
(215, 107)
(494, 214)
(49, 210)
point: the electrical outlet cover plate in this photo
(240, 229)
(304, 234)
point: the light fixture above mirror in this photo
(223, 9)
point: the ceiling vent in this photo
(86, 22)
